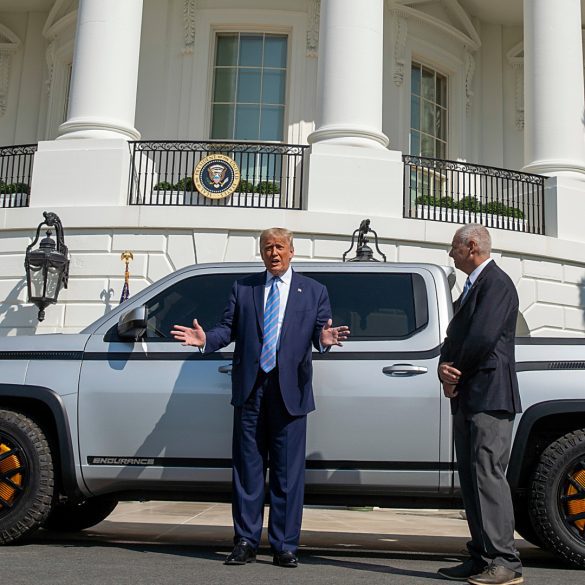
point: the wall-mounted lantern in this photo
(47, 267)
(363, 252)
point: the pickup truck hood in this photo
(42, 343)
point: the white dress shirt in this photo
(283, 287)
(474, 275)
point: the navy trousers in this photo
(266, 435)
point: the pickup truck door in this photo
(153, 413)
(378, 420)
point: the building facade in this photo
(418, 114)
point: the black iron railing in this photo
(458, 192)
(161, 173)
(16, 165)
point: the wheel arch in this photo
(46, 407)
(546, 421)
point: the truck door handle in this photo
(225, 369)
(404, 370)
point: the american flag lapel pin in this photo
(299, 290)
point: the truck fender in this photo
(23, 394)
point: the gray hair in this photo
(479, 234)
(277, 232)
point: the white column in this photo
(102, 99)
(350, 70)
(554, 105)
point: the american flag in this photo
(126, 257)
(125, 292)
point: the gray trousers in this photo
(482, 444)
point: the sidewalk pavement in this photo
(359, 529)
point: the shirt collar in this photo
(474, 275)
(285, 278)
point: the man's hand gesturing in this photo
(333, 335)
(190, 336)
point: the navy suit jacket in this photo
(480, 342)
(307, 311)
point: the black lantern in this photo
(363, 252)
(47, 267)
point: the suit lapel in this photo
(294, 296)
(458, 305)
(259, 299)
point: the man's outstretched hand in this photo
(333, 335)
(190, 335)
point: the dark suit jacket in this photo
(307, 311)
(480, 342)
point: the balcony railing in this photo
(271, 174)
(458, 192)
(16, 165)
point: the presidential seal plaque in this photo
(216, 176)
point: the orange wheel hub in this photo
(576, 506)
(10, 475)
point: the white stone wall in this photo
(551, 290)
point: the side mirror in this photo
(132, 325)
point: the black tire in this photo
(73, 517)
(557, 498)
(523, 523)
(26, 477)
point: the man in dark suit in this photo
(477, 370)
(274, 317)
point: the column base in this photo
(346, 179)
(76, 128)
(563, 197)
(557, 168)
(348, 136)
(80, 172)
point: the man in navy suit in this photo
(477, 369)
(274, 317)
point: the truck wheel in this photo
(75, 516)
(523, 523)
(557, 497)
(26, 477)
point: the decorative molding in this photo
(469, 67)
(189, 10)
(62, 15)
(50, 59)
(9, 44)
(515, 57)
(465, 32)
(400, 36)
(313, 28)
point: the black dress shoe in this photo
(243, 553)
(461, 572)
(286, 559)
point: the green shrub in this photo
(14, 188)
(268, 187)
(245, 187)
(427, 200)
(499, 208)
(515, 212)
(185, 184)
(469, 204)
(163, 186)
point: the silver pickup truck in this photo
(121, 411)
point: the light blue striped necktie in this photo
(271, 310)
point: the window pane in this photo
(250, 51)
(273, 86)
(428, 84)
(249, 86)
(247, 122)
(415, 143)
(203, 297)
(441, 152)
(222, 122)
(415, 80)
(225, 85)
(275, 51)
(227, 50)
(272, 122)
(441, 90)
(428, 118)
(392, 306)
(441, 123)
(415, 112)
(427, 147)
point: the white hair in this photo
(479, 234)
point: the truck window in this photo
(202, 297)
(377, 307)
